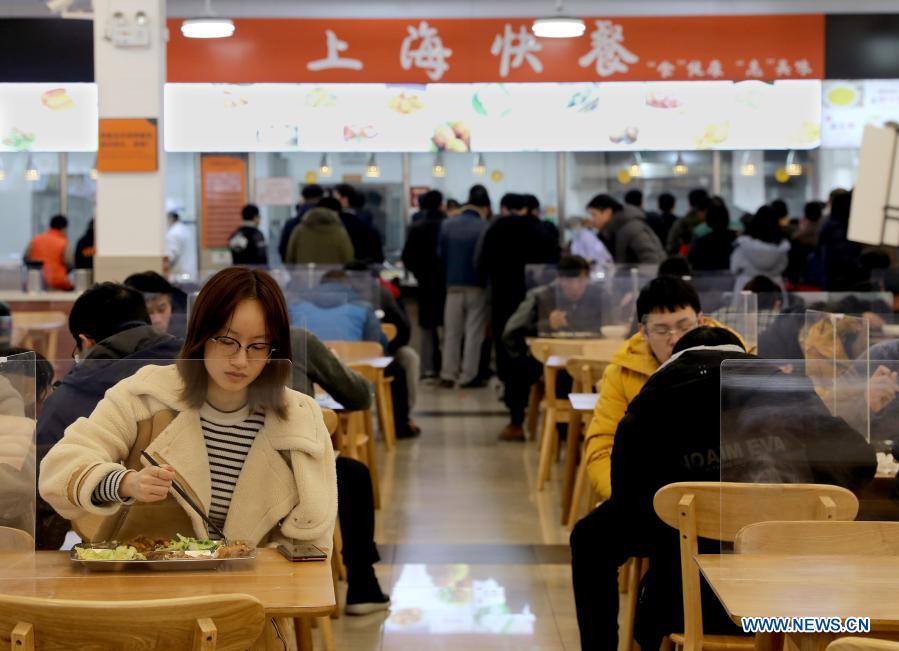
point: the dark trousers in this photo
(399, 392)
(600, 543)
(524, 372)
(356, 508)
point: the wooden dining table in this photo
(286, 590)
(768, 585)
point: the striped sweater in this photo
(228, 436)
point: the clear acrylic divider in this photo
(777, 430)
(249, 372)
(19, 398)
(572, 308)
(855, 303)
(717, 290)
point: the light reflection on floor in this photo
(448, 599)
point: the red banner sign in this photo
(224, 183)
(674, 48)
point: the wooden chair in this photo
(819, 538)
(389, 331)
(221, 622)
(718, 511)
(15, 540)
(39, 331)
(355, 354)
(862, 644)
(587, 374)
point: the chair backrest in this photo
(332, 420)
(544, 348)
(862, 644)
(718, 510)
(221, 622)
(348, 351)
(586, 372)
(15, 540)
(389, 331)
(819, 538)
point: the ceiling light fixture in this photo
(680, 167)
(372, 170)
(439, 169)
(31, 171)
(636, 168)
(748, 168)
(209, 26)
(94, 174)
(324, 168)
(558, 26)
(480, 166)
(2, 171)
(793, 168)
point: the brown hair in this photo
(212, 311)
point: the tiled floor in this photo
(473, 556)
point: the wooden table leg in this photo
(303, 626)
(573, 448)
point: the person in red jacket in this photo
(50, 247)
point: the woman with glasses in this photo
(255, 455)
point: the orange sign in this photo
(465, 50)
(128, 145)
(224, 193)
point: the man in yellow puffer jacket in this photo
(667, 309)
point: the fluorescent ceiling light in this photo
(558, 27)
(207, 28)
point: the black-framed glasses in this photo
(229, 347)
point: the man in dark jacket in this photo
(662, 221)
(509, 244)
(778, 431)
(247, 243)
(625, 231)
(365, 238)
(114, 339)
(311, 193)
(681, 234)
(420, 258)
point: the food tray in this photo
(174, 565)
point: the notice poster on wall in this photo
(224, 193)
(128, 145)
(850, 105)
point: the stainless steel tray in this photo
(175, 565)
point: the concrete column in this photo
(130, 213)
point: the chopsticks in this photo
(177, 487)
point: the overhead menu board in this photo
(850, 105)
(48, 117)
(623, 116)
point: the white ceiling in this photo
(482, 8)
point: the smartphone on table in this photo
(300, 552)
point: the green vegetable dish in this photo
(178, 548)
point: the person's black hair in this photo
(334, 276)
(707, 336)
(666, 202)
(478, 196)
(835, 193)
(572, 266)
(452, 204)
(813, 211)
(603, 201)
(59, 222)
(107, 309)
(249, 212)
(768, 291)
(512, 202)
(779, 206)
(765, 227)
(698, 198)
(431, 200)
(346, 190)
(312, 192)
(357, 200)
(666, 294)
(172, 215)
(677, 266)
(718, 217)
(149, 282)
(531, 203)
(361, 265)
(633, 198)
(4, 309)
(840, 206)
(331, 204)
(43, 369)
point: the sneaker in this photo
(371, 605)
(446, 384)
(476, 383)
(512, 432)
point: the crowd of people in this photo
(247, 337)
